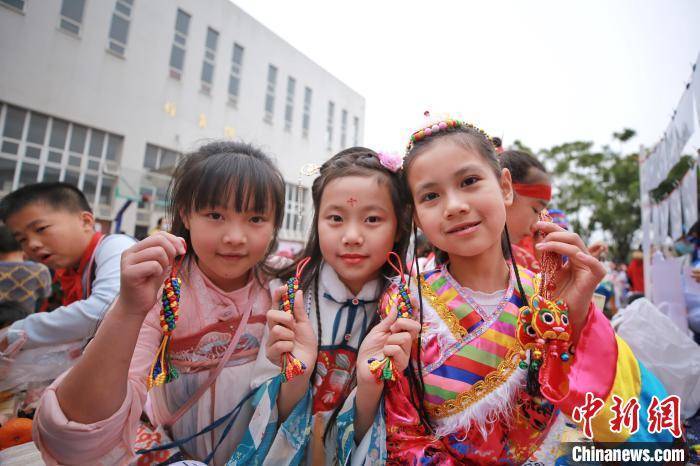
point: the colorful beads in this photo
(443, 125)
(291, 366)
(385, 369)
(171, 304)
(162, 370)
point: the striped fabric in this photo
(476, 359)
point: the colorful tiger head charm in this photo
(550, 319)
(526, 332)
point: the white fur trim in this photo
(482, 414)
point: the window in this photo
(36, 147)
(329, 125)
(15, 5)
(119, 29)
(177, 53)
(14, 127)
(209, 59)
(306, 120)
(72, 16)
(289, 109)
(270, 94)
(7, 175)
(160, 159)
(294, 211)
(234, 81)
(356, 131)
(343, 128)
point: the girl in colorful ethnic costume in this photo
(225, 204)
(532, 191)
(474, 398)
(358, 220)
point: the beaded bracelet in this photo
(162, 370)
(385, 369)
(291, 366)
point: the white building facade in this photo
(108, 95)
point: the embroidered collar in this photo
(468, 295)
(331, 284)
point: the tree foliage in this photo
(597, 189)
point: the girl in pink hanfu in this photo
(477, 395)
(226, 205)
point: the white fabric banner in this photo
(656, 215)
(673, 151)
(695, 86)
(684, 122)
(663, 221)
(674, 205)
(689, 194)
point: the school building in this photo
(109, 95)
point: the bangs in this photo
(249, 190)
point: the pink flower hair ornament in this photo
(392, 162)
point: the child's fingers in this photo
(299, 309)
(403, 339)
(396, 352)
(593, 264)
(546, 227)
(278, 293)
(151, 254)
(406, 325)
(385, 324)
(278, 348)
(145, 270)
(564, 249)
(171, 243)
(281, 333)
(566, 237)
(276, 317)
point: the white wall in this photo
(76, 78)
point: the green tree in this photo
(601, 183)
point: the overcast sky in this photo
(544, 72)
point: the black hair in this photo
(8, 243)
(57, 195)
(355, 161)
(474, 139)
(521, 165)
(226, 174)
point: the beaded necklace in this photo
(291, 366)
(385, 369)
(162, 370)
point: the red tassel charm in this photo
(291, 366)
(385, 369)
(162, 370)
(544, 328)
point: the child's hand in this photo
(144, 268)
(390, 337)
(580, 276)
(289, 333)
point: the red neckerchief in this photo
(71, 280)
